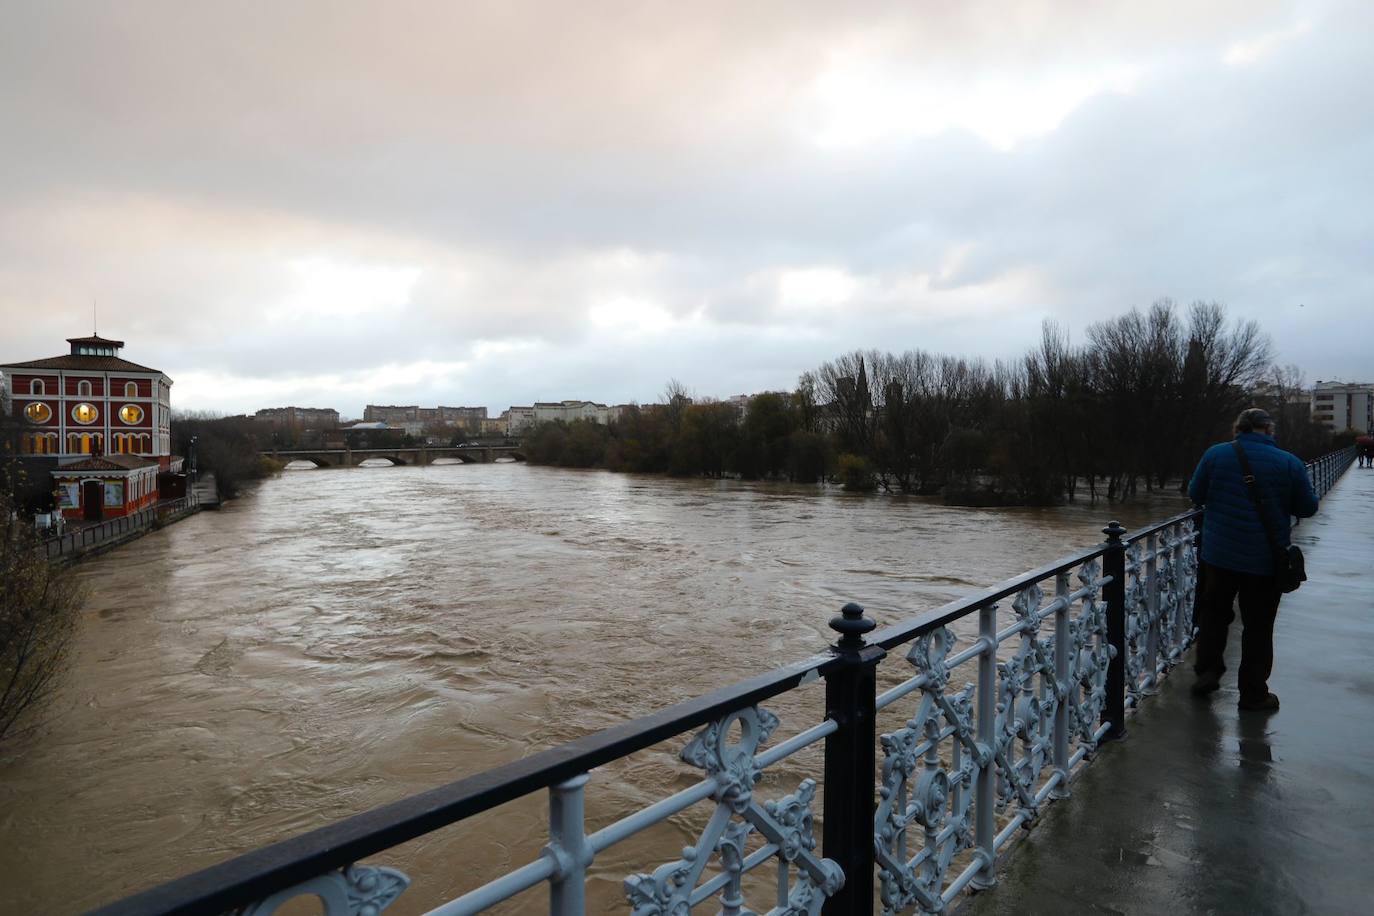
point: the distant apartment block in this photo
(300, 417)
(568, 411)
(519, 419)
(425, 416)
(1340, 405)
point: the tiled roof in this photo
(107, 463)
(95, 340)
(93, 363)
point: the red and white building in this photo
(105, 423)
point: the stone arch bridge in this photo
(352, 457)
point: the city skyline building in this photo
(1343, 405)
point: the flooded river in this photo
(338, 639)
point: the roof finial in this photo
(95, 328)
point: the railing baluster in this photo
(568, 847)
(1114, 594)
(1152, 543)
(1063, 646)
(985, 791)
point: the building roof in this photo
(90, 363)
(107, 463)
(90, 354)
(95, 340)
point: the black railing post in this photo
(851, 692)
(1114, 593)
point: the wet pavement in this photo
(1204, 809)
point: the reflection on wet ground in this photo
(338, 639)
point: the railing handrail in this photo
(94, 534)
(253, 875)
(256, 874)
(901, 633)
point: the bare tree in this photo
(38, 606)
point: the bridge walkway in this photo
(1203, 809)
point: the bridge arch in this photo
(393, 460)
(314, 460)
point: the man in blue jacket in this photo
(1237, 554)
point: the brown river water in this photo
(338, 639)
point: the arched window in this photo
(83, 389)
(36, 387)
(130, 390)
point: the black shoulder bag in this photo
(1290, 570)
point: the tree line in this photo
(227, 447)
(1130, 408)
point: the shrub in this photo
(856, 473)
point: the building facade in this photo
(1342, 406)
(299, 417)
(92, 404)
(517, 420)
(411, 413)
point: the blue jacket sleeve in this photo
(1301, 496)
(1197, 487)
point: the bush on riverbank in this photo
(227, 447)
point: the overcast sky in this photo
(470, 203)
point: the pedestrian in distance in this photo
(1238, 554)
(1364, 447)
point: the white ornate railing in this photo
(996, 747)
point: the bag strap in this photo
(1252, 485)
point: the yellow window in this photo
(131, 413)
(85, 413)
(38, 412)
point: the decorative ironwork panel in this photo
(1139, 618)
(358, 890)
(1026, 703)
(920, 789)
(926, 812)
(785, 826)
(1087, 684)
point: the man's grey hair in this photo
(1253, 420)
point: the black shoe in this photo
(1269, 703)
(1207, 682)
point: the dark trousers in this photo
(1259, 605)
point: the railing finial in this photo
(1114, 531)
(851, 624)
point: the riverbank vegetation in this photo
(224, 446)
(38, 609)
(1129, 409)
